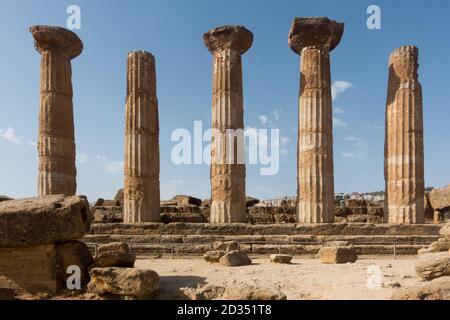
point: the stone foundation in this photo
(198, 238)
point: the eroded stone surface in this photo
(141, 192)
(314, 38)
(404, 159)
(437, 289)
(214, 256)
(315, 32)
(281, 258)
(124, 282)
(236, 38)
(235, 259)
(338, 254)
(43, 220)
(227, 44)
(433, 265)
(56, 140)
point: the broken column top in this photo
(404, 62)
(147, 56)
(315, 32)
(236, 38)
(56, 39)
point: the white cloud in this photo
(338, 110)
(357, 154)
(356, 141)
(338, 123)
(276, 113)
(339, 87)
(358, 146)
(10, 135)
(264, 120)
(82, 158)
(114, 167)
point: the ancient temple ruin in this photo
(227, 44)
(404, 168)
(141, 192)
(56, 142)
(314, 39)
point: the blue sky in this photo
(172, 31)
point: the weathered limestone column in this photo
(141, 192)
(403, 159)
(56, 142)
(227, 44)
(314, 39)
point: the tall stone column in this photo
(404, 159)
(141, 192)
(314, 39)
(56, 142)
(227, 44)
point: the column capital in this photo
(236, 38)
(142, 54)
(403, 62)
(56, 39)
(321, 33)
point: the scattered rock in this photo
(119, 197)
(433, 265)
(108, 215)
(124, 282)
(226, 246)
(445, 231)
(440, 198)
(73, 253)
(251, 293)
(250, 201)
(284, 218)
(235, 259)
(438, 246)
(392, 284)
(338, 254)
(5, 198)
(214, 256)
(281, 258)
(213, 292)
(117, 254)
(437, 289)
(208, 292)
(182, 200)
(43, 220)
(99, 202)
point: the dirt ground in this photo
(370, 278)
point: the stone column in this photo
(314, 39)
(227, 44)
(141, 192)
(403, 154)
(56, 142)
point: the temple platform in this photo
(194, 239)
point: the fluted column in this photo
(227, 44)
(404, 159)
(141, 192)
(314, 39)
(56, 140)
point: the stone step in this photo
(260, 239)
(233, 229)
(190, 249)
